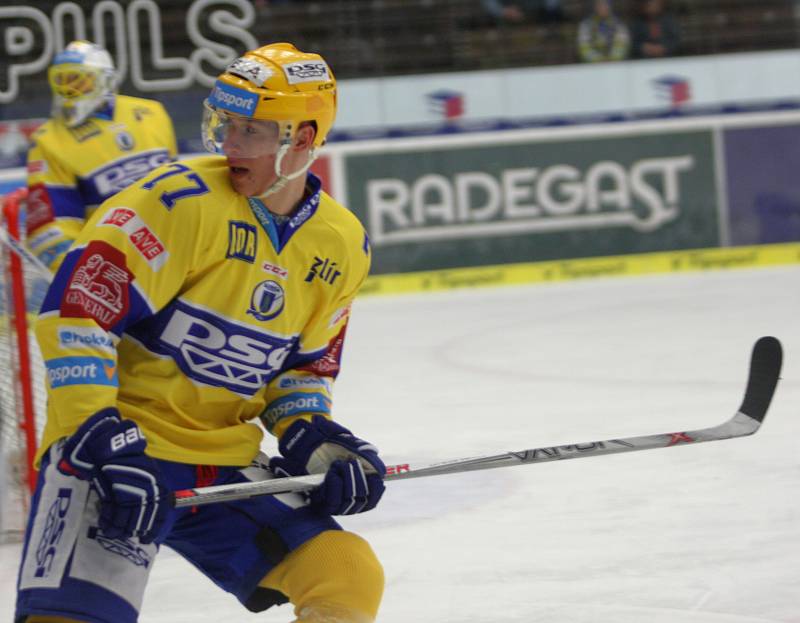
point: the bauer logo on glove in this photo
(109, 452)
(353, 471)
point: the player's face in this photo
(251, 176)
(250, 145)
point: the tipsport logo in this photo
(295, 404)
(234, 100)
(66, 371)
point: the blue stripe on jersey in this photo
(100, 184)
(66, 201)
(52, 300)
(297, 359)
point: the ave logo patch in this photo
(141, 236)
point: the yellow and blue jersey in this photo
(71, 171)
(187, 306)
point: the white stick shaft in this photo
(738, 426)
(24, 253)
(765, 368)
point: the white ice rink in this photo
(696, 534)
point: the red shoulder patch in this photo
(40, 208)
(329, 363)
(98, 286)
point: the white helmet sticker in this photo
(251, 70)
(306, 71)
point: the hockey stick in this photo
(765, 367)
(24, 254)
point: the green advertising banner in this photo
(458, 205)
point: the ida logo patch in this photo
(98, 286)
(242, 241)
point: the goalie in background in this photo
(210, 295)
(96, 143)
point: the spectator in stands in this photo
(519, 11)
(654, 31)
(602, 36)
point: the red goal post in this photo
(22, 384)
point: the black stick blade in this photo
(765, 370)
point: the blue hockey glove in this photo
(353, 472)
(109, 452)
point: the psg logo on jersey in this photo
(267, 300)
(124, 140)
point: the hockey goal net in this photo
(22, 382)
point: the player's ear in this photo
(306, 133)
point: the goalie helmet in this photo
(83, 80)
(277, 84)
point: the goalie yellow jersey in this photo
(186, 305)
(71, 171)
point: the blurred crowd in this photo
(650, 31)
(365, 38)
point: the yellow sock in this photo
(333, 578)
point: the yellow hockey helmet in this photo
(275, 83)
(83, 80)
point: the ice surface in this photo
(697, 534)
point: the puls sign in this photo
(33, 32)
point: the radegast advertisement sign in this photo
(463, 204)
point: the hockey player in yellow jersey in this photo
(209, 296)
(96, 143)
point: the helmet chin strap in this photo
(282, 180)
